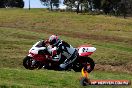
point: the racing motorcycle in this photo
(39, 56)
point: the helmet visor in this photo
(53, 42)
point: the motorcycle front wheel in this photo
(27, 63)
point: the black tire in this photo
(27, 63)
(77, 67)
(87, 60)
(91, 63)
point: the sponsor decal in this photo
(109, 82)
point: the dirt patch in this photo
(87, 36)
(113, 68)
(81, 35)
(25, 36)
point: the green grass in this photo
(21, 28)
(19, 78)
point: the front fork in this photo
(33, 62)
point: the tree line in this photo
(112, 7)
(11, 3)
(86, 4)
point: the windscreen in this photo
(40, 44)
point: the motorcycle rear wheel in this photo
(86, 61)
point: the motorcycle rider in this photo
(61, 47)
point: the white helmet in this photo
(53, 39)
